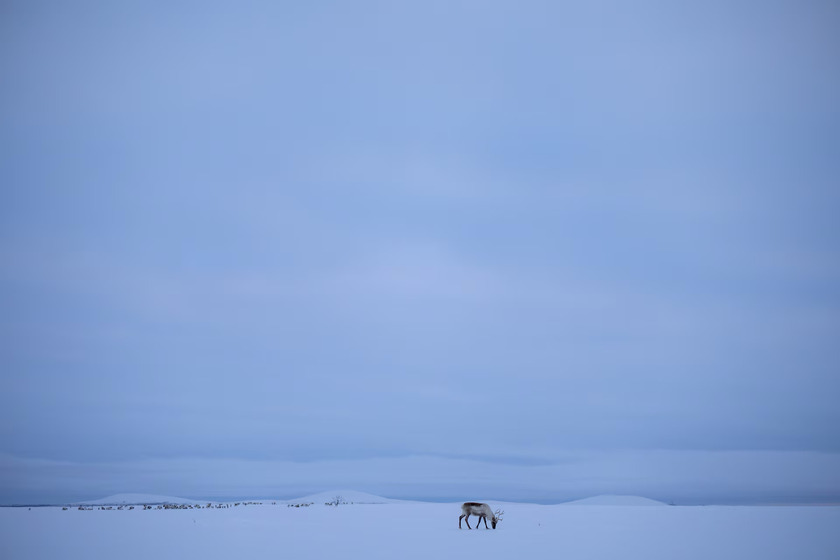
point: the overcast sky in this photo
(444, 250)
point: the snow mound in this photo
(613, 500)
(349, 496)
(137, 499)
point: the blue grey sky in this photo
(443, 250)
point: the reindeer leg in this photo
(484, 518)
(459, 521)
(467, 521)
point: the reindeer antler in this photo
(499, 513)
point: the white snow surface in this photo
(613, 500)
(417, 530)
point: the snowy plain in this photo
(602, 527)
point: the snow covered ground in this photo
(606, 527)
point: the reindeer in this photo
(482, 511)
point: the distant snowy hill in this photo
(353, 497)
(612, 500)
(135, 499)
(349, 496)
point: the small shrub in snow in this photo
(335, 501)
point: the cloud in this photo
(325, 236)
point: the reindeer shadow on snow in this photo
(482, 511)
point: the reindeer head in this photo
(497, 516)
